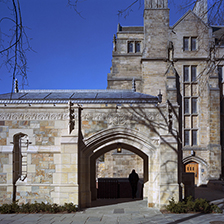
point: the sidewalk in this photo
(122, 213)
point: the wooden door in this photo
(192, 167)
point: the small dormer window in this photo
(190, 43)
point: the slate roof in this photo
(77, 96)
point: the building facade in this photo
(163, 104)
(185, 61)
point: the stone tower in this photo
(156, 25)
(201, 10)
(155, 53)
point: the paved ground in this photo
(123, 213)
(118, 212)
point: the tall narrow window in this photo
(186, 137)
(186, 106)
(186, 73)
(194, 137)
(193, 73)
(193, 43)
(130, 47)
(186, 43)
(137, 47)
(20, 142)
(190, 105)
(194, 105)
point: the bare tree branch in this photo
(73, 4)
(125, 12)
(13, 46)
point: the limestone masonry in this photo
(163, 108)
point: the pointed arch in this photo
(102, 142)
(194, 159)
(115, 135)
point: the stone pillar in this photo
(84, 180)
(65, 179)
(169, 186)
(214, 133)
(93, 179)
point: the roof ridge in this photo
(73, 90)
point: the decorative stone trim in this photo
(119, 118)
(110, 135)
(195, 159)
(33, 116)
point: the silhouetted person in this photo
(133, 179)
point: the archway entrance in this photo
(192, 167)
(101, 143)
(114, 183)
(116, 187)
(112, 172)
(199, 167)
(159, 164)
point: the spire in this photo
(201, 10)
(156, 4)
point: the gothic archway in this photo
(102, 142)
(198, 166)
(110, 147)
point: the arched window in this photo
(20, 142)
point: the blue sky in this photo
(71, 52)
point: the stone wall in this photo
(43, 128)
(116, 165)
(5, 197)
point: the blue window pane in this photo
(130, 47)
(193, 43)
(186, 73)
(193, 73)
(186, 43)
(186, 137)
(137, 47)
(194, 138)
(186, 106)
(194, 105)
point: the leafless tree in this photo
(215, 9)
(14, 42)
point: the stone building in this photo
(50, 140)
(185, 61)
